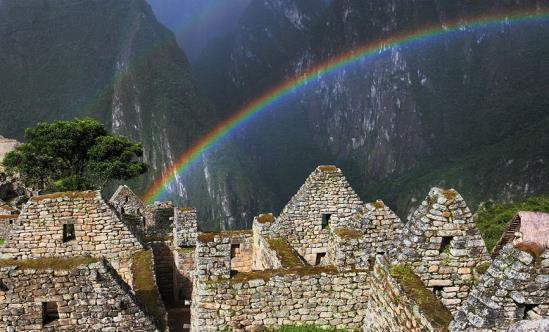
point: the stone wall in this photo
(242, 251)
(382, 227)
(183, 279)
(444, 246)
(323, 298)
(39, 231)
(159, 220)
(348, 249)
(326, 194)
(263, 256)
(90, 297)
(125, 201)
(514, 288)
(392, 308)
(7, 145)
(185, 228)
(6, 224)
(213, 256)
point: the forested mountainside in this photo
(112, 60)
(468, 110)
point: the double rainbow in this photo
(371, 50)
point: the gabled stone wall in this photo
(325, 192)
(444, 246)
(88, 297)
(125, 201)
(514, 288)
(98, 230)
(6, 224)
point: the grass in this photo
(185, 250)
(328, 168)
(69, 194)
(287, 256)
(378, 204)
(144, 285)
(450, 194)
(482, 268)
(210, 236)
(492, 218)
(429, 305)
(304, 328)
(265, 218)
(348, 233)
(158, 238)
(2, 241)
(49, 263)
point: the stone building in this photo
(443, 245)
(328, 259)
(125, 201)
(7, 145)
(78, 294)
(310, 265)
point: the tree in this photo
(74, 155)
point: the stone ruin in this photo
(328, 259)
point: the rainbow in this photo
(371, 50)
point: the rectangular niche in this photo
(326, 220)
(50, 312)
(68, 232)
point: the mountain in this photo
(462, 111)
(194, 23)
(112, 60)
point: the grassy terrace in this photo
(210, 236)
(145, 286)
(49, 263)
(241, 277)
(429, 305)
(286, 254)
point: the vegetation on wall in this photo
(492, 217)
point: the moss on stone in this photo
(283, 250)
(378, 204)
(49, 263)
(450, 194)
(241, 277)
(429, 305)
(327, 168)
(305, 328)
(348, 233)
(482, 267)
(2, 241)
(185, 250)
(69, 194)
(145, 287)
(210, 236)
(265, 218)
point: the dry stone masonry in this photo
(87, 297)
(328, 260)
(444, 246)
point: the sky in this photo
(195, 22)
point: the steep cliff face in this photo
(112, 60)
(454, 111)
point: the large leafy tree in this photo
(74, 155)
